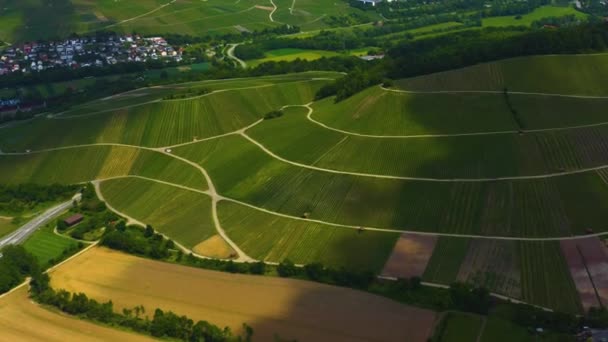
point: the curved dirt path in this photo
(272, 12)
(231, 55)
(220, 198)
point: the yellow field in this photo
(290, 308)
(214, 247)
(23, 320)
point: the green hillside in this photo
(161, 123)
(565, 74)
(82, 164)
(183, 215)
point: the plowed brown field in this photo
(297, 309)
(410, 256)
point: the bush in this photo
(274, 114)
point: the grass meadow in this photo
(46, 246)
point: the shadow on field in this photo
(319, 312)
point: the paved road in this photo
(21, 234)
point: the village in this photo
(80, 52)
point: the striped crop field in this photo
(82, 164)
(273, 238)
(161, 123)
(445, 262)
(296, 138)
(535, 272)
(377, 111)
(183, 215)
(533, 208)
(585, 75)
(545, 277)
(149, 94)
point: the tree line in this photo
(16, 199)
(163, 323)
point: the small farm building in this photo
(72, 220)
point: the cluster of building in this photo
(86, 52)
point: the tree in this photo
(287, 269)
(149, 231)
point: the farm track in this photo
(231, 55)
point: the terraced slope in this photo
(380, 112)
(273, 238)
(563, 74)
(545, 207)
(296, 138)
(161, 123)
(183, 215)
(83, 164)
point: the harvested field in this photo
(493, 264)
(214, 247)
(581, 278)
(23, 320)
(287, 307)
(410, 256)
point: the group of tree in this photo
(15, 265)
(16, 199)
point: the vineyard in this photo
(182, 214)
(272, 238)
(328, 182)
(582, 75)
(160, 123)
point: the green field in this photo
(83, 164)
(380, 112)
(29, 20)
(297, 139)
(459, 327)
(585, 76)
(272, 238)
(242, 171)
(546, 280)
(183, 215)
(445, 262)
(528, 19)
(161, 123)
(47, 246)
(288, 55)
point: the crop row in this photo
(183, 215)
(76, 165)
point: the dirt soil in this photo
(23, 320)
(410, 256)
(293, 309)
